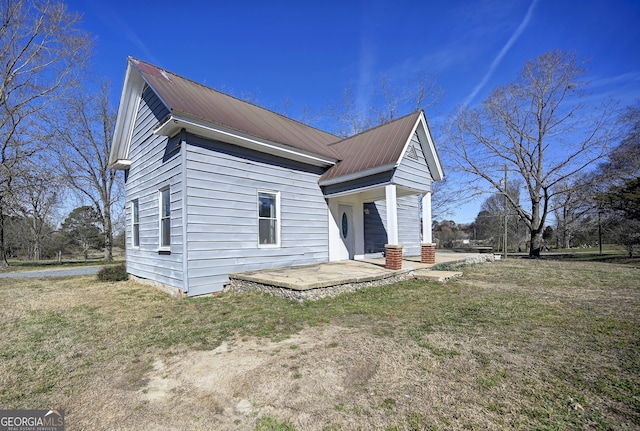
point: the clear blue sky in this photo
(309, 51)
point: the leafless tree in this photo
(42, 51)
(37, 196)
(571, 202)
(388, 101)
(541, 128)
(85, 142)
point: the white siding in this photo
(222, 230)
(152, 168)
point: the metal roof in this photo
(187, 98)
(220, 116)
(381, 146)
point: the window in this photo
(268, 218)
(135, 223)
(165, 219)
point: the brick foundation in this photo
(428, 254)
(393, 257)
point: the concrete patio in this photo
(329, 279)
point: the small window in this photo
(135, 231)
(268, 219)
(165, 219)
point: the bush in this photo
(113, 273)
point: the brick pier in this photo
(393, 257)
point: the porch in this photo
(304, 282)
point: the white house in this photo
(215, 185)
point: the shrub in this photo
(113, 273)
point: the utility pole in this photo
(506, 213)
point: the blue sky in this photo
(308, 52)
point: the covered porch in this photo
(388, 220)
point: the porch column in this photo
(428, 252)
(393, 250)
(427, 235)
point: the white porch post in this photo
(393, 250)
(427, 235)
(392, 214)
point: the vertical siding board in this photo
(150, 171)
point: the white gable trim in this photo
(424, 136)
(125, 121)
(175, 123)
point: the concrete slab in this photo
(305, 277)
(439, 276)
(354, 272)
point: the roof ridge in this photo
(233, 97)
(376, 127)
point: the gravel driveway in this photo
(81, 270)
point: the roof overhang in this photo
(421, 128)
(121, 164)
(174, 123)
(359, 174)
(123, 131)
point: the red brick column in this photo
(428, 254)
(393, 256)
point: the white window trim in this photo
(278, 218)
(133, 224)
(160, 206)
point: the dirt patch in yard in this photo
(322, 378)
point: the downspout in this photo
(185, 248)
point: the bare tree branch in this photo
(541, 128)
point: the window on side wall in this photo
(165, 219)
(135, 223)
(268, 219)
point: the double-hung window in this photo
(165, 219)
(135, 223)
(268, 219)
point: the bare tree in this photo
(541, 128)
(572, 201)
(37, 197)
(86, 136)
(42, 50)
(388, 101)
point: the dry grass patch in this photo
(517, 344)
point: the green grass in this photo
(538, 344)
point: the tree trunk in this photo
(108, 234)
(536, 243)
(3, 253)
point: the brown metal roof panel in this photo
(192, 99)
(373, 148)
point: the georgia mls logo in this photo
(31, 420)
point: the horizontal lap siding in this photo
(152, 169)
(222, 231)
(408, 224)
(413, 173)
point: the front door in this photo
(345, 222)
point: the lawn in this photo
(516, 344)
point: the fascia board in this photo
(175, 123)
(359, 174)
(431, 154)
(129, 103)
